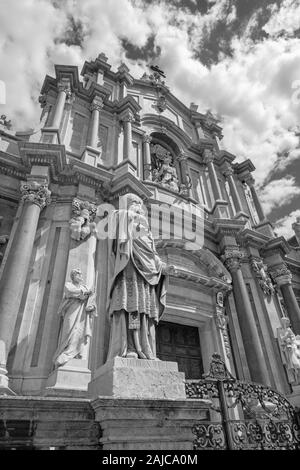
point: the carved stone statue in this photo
(264, 280)
(137, 288)
(77, 310)
(167, 175)
(290, 348)
(81, 224)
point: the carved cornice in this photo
(35, 192)
(228, 227)
(51, 155)
(249, 237)
(8, 170)
(276, 246)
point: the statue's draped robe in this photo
(76, 327)
(137, 289)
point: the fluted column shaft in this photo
(127, 119)
(35, 196)
(182, 159)
(256, 201)
(147, 157)
(251, 340)
(208, 159)
(64, 90)
(283, 278)
(228, 173)
(93, 133)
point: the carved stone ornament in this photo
(163, 170)
(157, 75)
(35, 192)
(227, 170)
(4, 122)
(82, 223)
(289, 345)
(161, 103)
(208, 156)
(97, 104)
(222, 321)
(64, 86)
(281, 275)
(264, 280)
(231, 258)
(128, 116)
(147, 138)
(220, 299)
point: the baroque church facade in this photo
(105, 134)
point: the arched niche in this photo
(165, 166)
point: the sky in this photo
(238, 58)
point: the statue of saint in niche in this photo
(290, 348)
(137, 288)
(77, 310)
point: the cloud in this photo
(278, 193)
(283, 226)
(251, 88)
(285, 20)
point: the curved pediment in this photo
(171, 129)
(200, 265)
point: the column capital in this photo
(248, 179)
(232, 257)
(181, 157)
(281, 275)
(97, 104)
(227, 170)
(36, 192)
(64, 85)
(127, 116)
(147, 138)
(208, 156)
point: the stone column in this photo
(96, 106)
(35, 196)
(182, 159)
(253, 349)
(64, 91)
(228, 173)
(147, 157)
(250, 181)
(283, 278)
(208, 159)
(127, 119)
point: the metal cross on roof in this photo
(156, 69)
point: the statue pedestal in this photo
(70, 380)
(138, 378)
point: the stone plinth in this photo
(148, 424)
(70, 380)
(138, 378)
